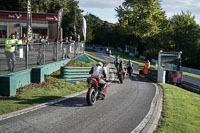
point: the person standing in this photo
(70, 45)
(77, 45)
(110, 52)
(10, 52)
(64, 48)
(54, 47)
(106, 50)
(43, 41)
(147, 66)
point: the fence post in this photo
(44, 53)
(27, 55)
(57, 51)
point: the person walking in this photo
(106, 50)
(10, 52)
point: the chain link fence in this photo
(37, 54)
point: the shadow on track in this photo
(139, 78)
(72, 102)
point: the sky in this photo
(105, 9)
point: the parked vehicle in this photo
(94, 91)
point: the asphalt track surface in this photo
(124, 108)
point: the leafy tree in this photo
(186, 37)
(142, 18)
(93, 24)
(10, 5)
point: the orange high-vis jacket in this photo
(147, 66)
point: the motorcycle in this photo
(129, 70)
(116, 64)
(121, 76)
(94, 91)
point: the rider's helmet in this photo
(99, 64)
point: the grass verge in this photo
(76, 63)
(53, 87)
(180, 111)
(191, 75)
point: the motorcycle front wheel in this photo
(90, 97)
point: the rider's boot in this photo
(102, 89)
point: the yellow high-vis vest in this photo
(10, 48)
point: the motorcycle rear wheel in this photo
(91, 98)
(121, 78)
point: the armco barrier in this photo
(38, 73)
(190, 70)
(9, 82)
(75, 73)
(152, 74)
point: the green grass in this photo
(191, 75)
(180, 111)
(34, 94)
(53, 87)
(76, 63)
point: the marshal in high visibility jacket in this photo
(10, 48)
(147, 66)
(10, 52)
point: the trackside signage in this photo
(23, 16)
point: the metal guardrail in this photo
(39, 54)
(190, 86)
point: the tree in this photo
(186, 37)
(93, 24)
(10, 5)
(142, 18)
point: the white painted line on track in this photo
(43, 105)
(146, 119)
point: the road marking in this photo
(146, 119)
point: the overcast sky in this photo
(104, 9)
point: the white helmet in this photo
(100, 64)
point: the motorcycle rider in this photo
(121, 68)
(99, 73)
(117, 62)
(129, 66)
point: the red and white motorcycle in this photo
(94, 91)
